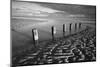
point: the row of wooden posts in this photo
(53, 32)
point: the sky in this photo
(28, 10)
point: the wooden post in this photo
(64, 29)
(70, 26)
(80, 25)
(53, 30)
(35, 36)
(75, 26)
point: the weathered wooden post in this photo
(53, 30)
(64, 29)
(70, 26)
(35, 36)
(75, 26)
(80, 24)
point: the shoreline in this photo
(45, 41)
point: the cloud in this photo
(31, 9)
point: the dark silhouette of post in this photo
(70, 26)
(64, 29)
(75, 26)
(35, 36)
(53, 31)
(80, 24)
